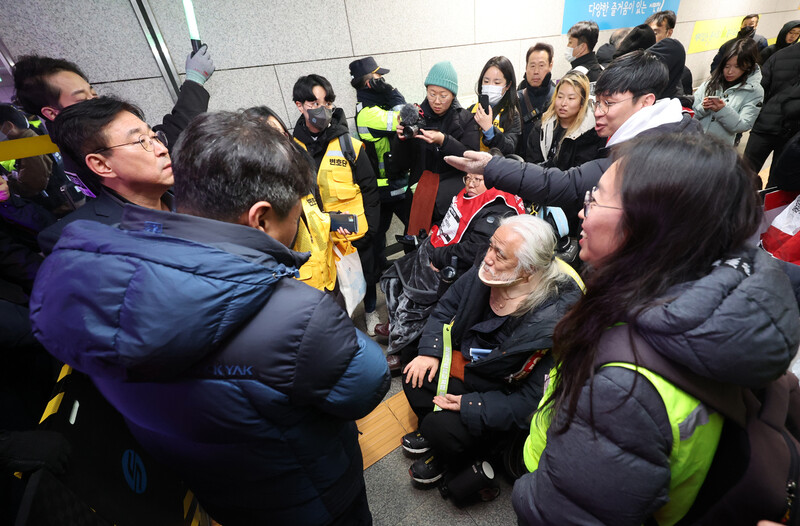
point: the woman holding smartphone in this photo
(497, 112)
(729, 102)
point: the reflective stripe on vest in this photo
(447, 360)
(695, 436)
(314, 236)
(337, 188)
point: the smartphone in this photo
(347, 221)
(483, 100)
(713, 98)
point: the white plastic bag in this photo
(351, 278)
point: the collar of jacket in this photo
(250, 243)
(108, 201)
(369, 97)
(430, 116)
(337, 127)
(589, 58)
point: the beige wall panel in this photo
(102, 36)
(385, 26)
(242, 33)
(150, 95)
(520, 20)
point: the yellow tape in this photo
(65, 370)
(52, 406)
(187, 503)
(711, 34)
(27, 147)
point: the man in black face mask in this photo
(345, 179)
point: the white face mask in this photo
(568, 54)
(495, 93)
(485, 275)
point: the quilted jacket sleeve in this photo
(544, 186)
(617, 473)
(339, 369)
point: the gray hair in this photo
(536, 256)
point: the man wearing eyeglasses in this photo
(123, 161)
(626, 106)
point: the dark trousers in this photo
(357, 514)
(448, 435)
(759, 146)
(401, 209)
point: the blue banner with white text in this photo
(612, 14)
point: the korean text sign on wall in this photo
(612, 14)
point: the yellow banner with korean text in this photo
(711, 34)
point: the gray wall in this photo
(260, 48)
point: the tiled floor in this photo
(394, 501)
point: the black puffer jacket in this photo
(506, 141)
(780, 114)
(495, 403)
(555, 187)
(780, 42)
(417, 155)
(618, 473)
(533, 102)
(588, 61)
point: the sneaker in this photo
(415, 443)
(372, 319)
(426, 470)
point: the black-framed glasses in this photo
(604, 106)
(145, 141)
(589, 200)
(472, 180)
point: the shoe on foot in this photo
(426, 470)
(372, 320)
(415, 443)
(381, 329)
(395, 365)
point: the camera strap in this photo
(447, 360)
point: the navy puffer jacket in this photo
(243, 380)
(737, 325)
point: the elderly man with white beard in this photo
(489, 338)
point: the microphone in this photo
(409, 114)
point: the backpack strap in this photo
(618, 344)
(346, 145)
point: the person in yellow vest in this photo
(501, 125)
(345, 178)
(314, 229)
(672, 267)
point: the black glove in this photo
(379, 85)
(31, 450)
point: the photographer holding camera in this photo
(444, 127)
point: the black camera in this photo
(412, 130)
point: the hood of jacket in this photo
(153, 297)
(780, 42)
(672, 54)
(664, 111)
(738, 324)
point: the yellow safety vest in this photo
(314, 236)
(495, 123)
(696, 430)
(337, 188)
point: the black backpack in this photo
(756, 468)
